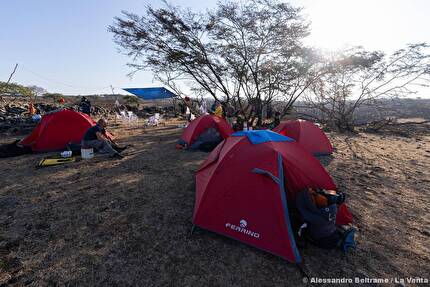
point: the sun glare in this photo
(339, 23)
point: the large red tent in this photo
(57, 129)
(243, 187)
(307, 134)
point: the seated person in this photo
(276, 121)
(96, 138)
(318, 210)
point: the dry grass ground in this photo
(127, 222)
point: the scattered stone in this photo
(4, 279)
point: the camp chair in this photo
(128, 116)
(131, 116)
(122, 115)
(154, 120)
(150, 121)
(157, 118)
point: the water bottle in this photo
(67, 153)
(245, 126)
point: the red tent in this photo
(201, 124)
(243, 187)
(307, 134)
(57, 129)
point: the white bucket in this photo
(87, 153)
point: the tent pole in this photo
(301, 266)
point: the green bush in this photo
(14, 89)
(131, 100)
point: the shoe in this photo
(117, 156)
(120, 149)
(348, 241)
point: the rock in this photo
(4, 279)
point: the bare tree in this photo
(5, 85)
(246, 54)
(357, 78)
(37, 91)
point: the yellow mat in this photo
(55, 161)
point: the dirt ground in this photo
(127, 222)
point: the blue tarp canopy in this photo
(151, 93)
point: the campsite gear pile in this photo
(247, 187)
(14, 118)
(22, 110)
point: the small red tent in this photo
(56, 130)
(307, 134)
(201, 124)
(243, 187)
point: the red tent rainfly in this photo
(243, 187)
(307, 134)
(201, 124)
(57, 129)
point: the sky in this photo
(64, 46)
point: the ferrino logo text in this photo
(242, 229)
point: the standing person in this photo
(85, 106)
(188, 104)
(188, 113)
(96, 138)
(117, 104)
(203, 108)
(117, 107)
(182, 107)
(31, 109)
(277, 119)
(213, 107)
(230, 114)
(218, 110)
